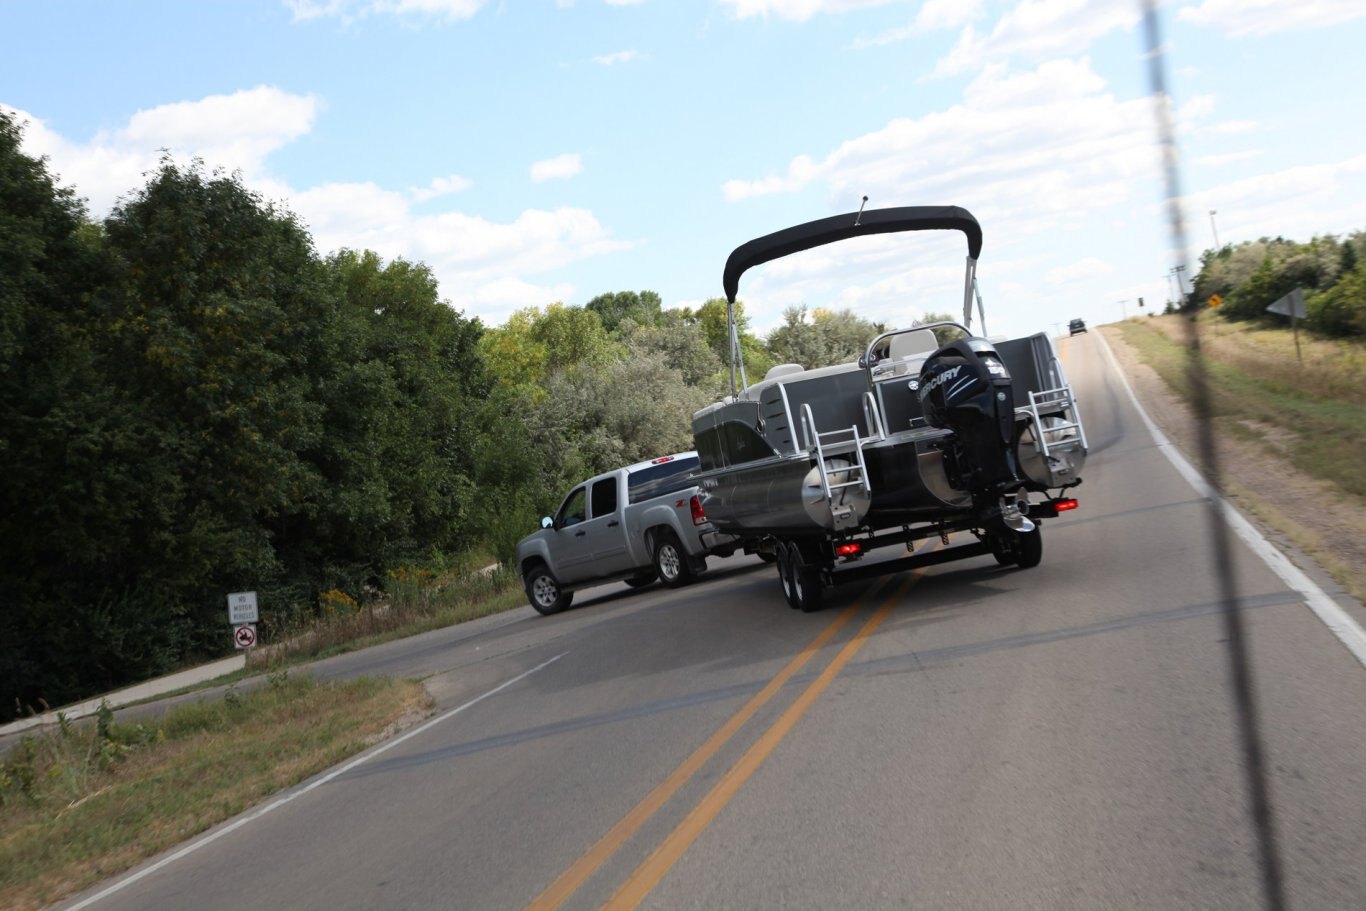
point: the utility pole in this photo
(1212, 213)
(1123, 314)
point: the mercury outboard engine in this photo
(966, 388)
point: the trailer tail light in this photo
(849, 549)
(1064, 505)
(698, 516)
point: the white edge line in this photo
(1348, 631)
(318, 782)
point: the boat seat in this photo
(907, 352)
(783, 370)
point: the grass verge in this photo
(1291, 427)
(1313, 413)
(79, 803)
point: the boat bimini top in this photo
(842, 227)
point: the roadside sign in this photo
(1215, 300)
(1291, 305)
(244, 636)
(242, 608)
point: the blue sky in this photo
(533, 152)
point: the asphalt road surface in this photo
(967, 736)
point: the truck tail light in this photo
(698, 516)
(849, 549)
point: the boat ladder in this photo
(846, 442)
(1059, 406)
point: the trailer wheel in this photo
(806, 585)
(1023, 549)
(672, 563)
(802, 582)
(787, 558)
(544, 592)
(1029, 548)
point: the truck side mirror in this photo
(546, 521)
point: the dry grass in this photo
(417, 602)
(82, 803)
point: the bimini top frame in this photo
(842, 227)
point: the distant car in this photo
(1077, 325)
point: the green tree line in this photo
(195, 401)
(1253, 275)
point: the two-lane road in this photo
(968, 736)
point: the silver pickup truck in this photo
(635, 524)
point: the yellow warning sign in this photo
(1215, 300)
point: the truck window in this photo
(604, 497)
(657, 480)
(574, 510)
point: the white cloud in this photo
(1297, 202)
(796, 10)
(440, 186)
(484, 267)
(934, 15)
(1037, 30)
(351, 10)
(800, 172)
(1258, 18)
(1034, 155)
(558, 168)
(1037, 144)
(618, 57)
(234, 132)
(494, 301)
(1079, 271)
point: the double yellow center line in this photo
(648, 874)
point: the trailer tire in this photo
(673, 564)
(1022, 549)
(544, 592)
(786, 557)
(806, 586)
(1029, 548)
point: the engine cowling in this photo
(965, 387)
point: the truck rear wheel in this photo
(544, 592)
(673, 564)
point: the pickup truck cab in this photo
(633, 524)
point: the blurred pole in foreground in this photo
(1254, 754)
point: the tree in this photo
(827, 337)
(613, 309)
(58, 422)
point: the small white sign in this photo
(244, 636)
(242, 608)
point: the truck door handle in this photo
(580, 534)
(613, 524)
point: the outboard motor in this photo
(966, 388)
